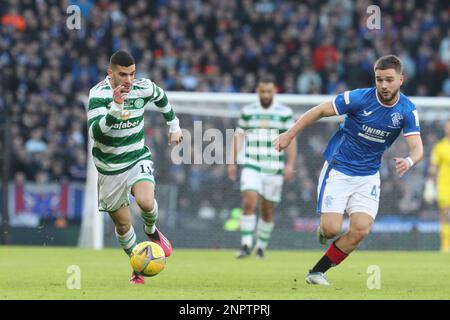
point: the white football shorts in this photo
(340, 193)
(268, 186)
(114, 190)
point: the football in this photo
(148, 259)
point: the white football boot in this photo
(317, 278)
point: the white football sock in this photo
(247, 223)
(263, 233)
(150, 218)
(128, 240)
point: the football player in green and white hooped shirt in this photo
(124, 163)
(264, 168)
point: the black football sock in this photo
(322, 265)
(332, 258)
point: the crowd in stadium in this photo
(312, 47)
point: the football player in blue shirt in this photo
(350, 178)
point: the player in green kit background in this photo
(263, 170)
(124, 164)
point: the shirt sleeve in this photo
(411, 124)
(242, 121)
(159, 98)
(347, 102)
(288, 122)
(145, 88)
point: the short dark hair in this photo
(267, 79)
(389, 62)
(121, 58)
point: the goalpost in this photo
(91, 232)
(223, 105)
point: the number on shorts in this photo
(149, 169)
(374, 191)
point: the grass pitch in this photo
(42, 273)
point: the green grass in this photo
(40, 273)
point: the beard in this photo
(389, 99)
(265, 102)
(117, 83)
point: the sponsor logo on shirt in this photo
(125, 124)
(367, 113)
(373, 134)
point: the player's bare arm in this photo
(236, 145)
(291, 153)
(429, 192)
(433, 169)
(432, 172)
(415, 155)
(325, 109)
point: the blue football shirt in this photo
(370, 127)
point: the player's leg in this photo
(445, 228)
(126, 236)
(265, 227)
(247, 222)
(113, 198)
(270, 195)
(443, 201)
(330, 226)
(124, 229)
(250, 190)
(142, 186)
(334, 190)
(144, 193)
(332, 197)
(362, 206)
(360, 225)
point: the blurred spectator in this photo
(35, 143)
(444, 49)
(77, 167)
(308, 81)
(12, 18)
(446, 86)
(326, 51)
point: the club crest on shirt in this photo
(139, 103)
(396, 119)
